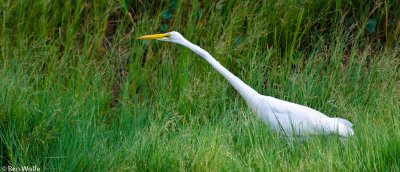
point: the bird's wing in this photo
(291, 117)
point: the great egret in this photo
(281, 116)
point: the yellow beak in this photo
(154, 36)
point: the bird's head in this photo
(173, 36)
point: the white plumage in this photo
(281, 116)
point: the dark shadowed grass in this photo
(77, 92)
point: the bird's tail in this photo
(344, 127)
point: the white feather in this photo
(281, 116)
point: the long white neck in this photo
(248, 93)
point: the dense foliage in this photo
(78, 92)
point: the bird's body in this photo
(295, 119)
(281, 116)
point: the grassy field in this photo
(79, 93)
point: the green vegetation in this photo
(78, 92)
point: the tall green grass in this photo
(78, 92)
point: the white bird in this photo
(281, 116)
